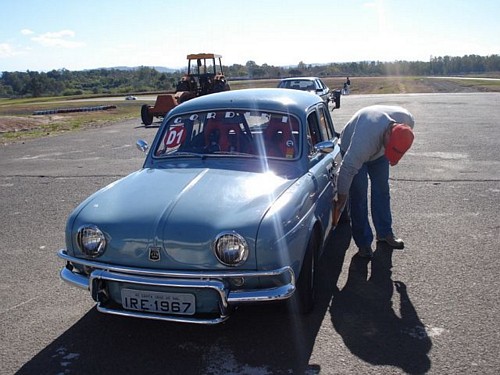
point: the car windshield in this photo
(230, 133)
(298, 84)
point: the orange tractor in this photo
(204, 76)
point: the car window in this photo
(314, 134)
(298, 84)
(325, 124)
(229, 133)
(319, 128)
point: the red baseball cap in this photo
(400, 141)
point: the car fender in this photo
(286, 227)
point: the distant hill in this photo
(160, 69)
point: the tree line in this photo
(147, 79)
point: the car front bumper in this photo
(215, 282)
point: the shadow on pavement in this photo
(256, 339)
(362, 313)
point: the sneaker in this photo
(392, 241)
(365, 252)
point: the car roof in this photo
(300, 78)
(264, 99)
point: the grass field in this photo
(394, 84)
(17, 121)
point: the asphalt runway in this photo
(432, 308)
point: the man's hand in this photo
(338, 207)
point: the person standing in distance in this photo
(374, 138)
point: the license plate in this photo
(158, 302)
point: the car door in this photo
(323, 166)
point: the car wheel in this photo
(303, 299)
(146, 117)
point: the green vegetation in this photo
(99, 82)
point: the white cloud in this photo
(27, 32)
(369, 4)
(57, 39)
(6, 50)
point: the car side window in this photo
(325, 125)
(313, 132)
(319, 127)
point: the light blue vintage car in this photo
(233, 205)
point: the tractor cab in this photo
(204, 76)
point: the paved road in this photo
(432, 308)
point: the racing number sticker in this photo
(175, 136)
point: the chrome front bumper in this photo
(176, 279)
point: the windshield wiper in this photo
(183, 154)
(233, 153)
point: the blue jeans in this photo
(378, 171)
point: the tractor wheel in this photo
(146, 117)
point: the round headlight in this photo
(231, 249)
(91, 241)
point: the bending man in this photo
(374, 137)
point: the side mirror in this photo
(325, 147)
(142, 145)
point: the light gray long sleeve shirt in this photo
(362, 139)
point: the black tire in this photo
(147, 118)
(303, 299)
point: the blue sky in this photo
(55, 34)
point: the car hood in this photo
(179, 211)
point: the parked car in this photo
(311, 84)
(232, 205)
